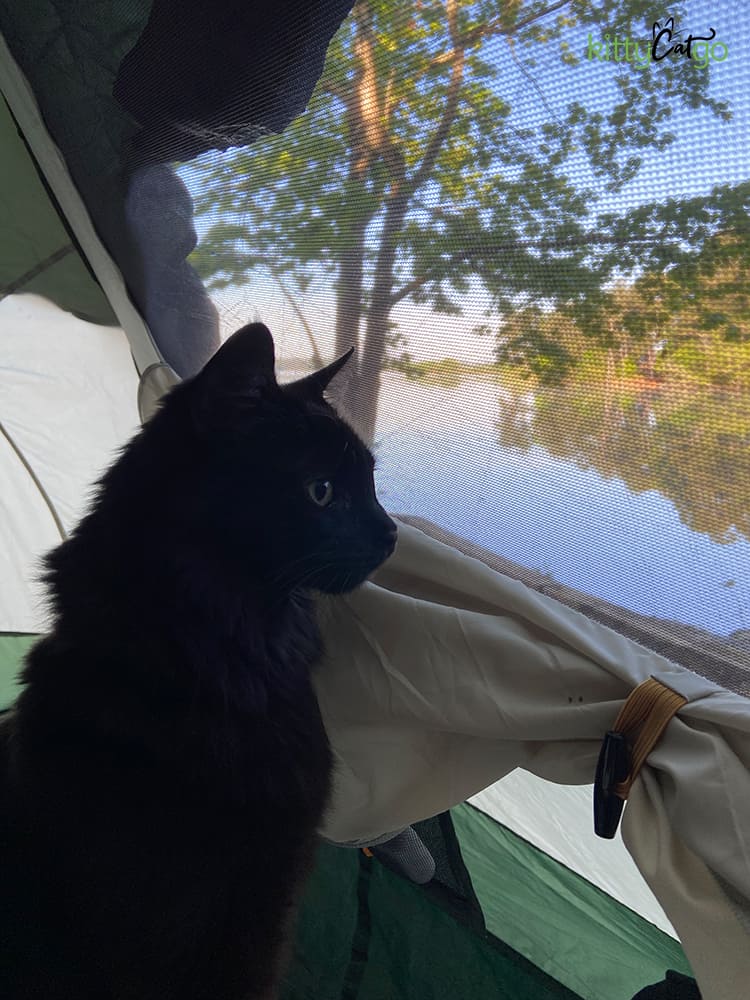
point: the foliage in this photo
(688, 322)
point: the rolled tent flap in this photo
(442, 676)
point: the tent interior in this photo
(539, 249)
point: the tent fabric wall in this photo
(374, 935)
(53, 166)
(13, 647)
(557, 820)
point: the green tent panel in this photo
(557, 919)
(37, 253)
(368, 934)
(13, 647)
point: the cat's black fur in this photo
(166, 767)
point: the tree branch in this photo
(409, 288)
(468, 253)
(449, 111)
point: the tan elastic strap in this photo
(642, 720)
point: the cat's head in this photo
(289, 489)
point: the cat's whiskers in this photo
(324, 566)
(317, 561)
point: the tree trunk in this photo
(349, 302)
(362, 123)
(349, 290)
(373, 354)
(371, 138)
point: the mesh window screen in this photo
(531, 220)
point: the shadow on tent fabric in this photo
(674, 987)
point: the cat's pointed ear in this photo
(238, 376)
(248, 351)
(313, 386)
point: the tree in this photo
(409, 179)
(690, 321)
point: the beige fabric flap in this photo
(442, 676)
(710, 928)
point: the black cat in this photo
(166, 768)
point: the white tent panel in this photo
(558, 819)
(67, 401)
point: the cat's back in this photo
(166, 838)
(109, 730)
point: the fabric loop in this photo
(642, 720)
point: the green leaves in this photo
(688, 323)
(413, 175)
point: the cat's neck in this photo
(154, 604)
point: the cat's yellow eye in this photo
(320, 492)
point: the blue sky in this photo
(707, 151)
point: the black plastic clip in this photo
(612, 768)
